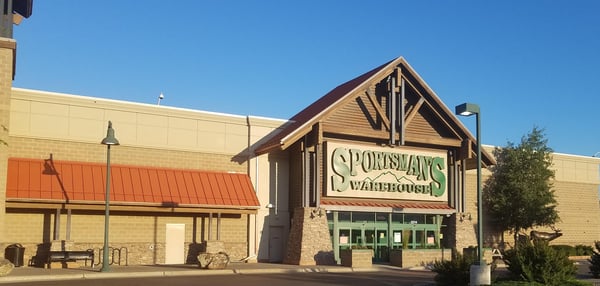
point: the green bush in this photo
(566, 249)
(582, 250)
(595, 261)
(536, 261)
(453, 272)
(524, 283)
(577, 250)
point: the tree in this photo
(595, 261)
(519, 194)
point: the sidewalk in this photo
(30, 274)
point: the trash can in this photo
(14, 253)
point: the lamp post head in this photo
(110, 138)
(467, 109)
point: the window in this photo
(414, 218)
(362, 217)
(344, 216)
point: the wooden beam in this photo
(417, 139)
(432, 109)
(344, 130)
(6, 43)
(402, 86)
(413, 111)
(446, 142)
(465, 151)
(379, 109)
(318, 133)
(398, 76)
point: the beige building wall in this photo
(269, 173)
(576, 187)
(61, 117)
(142, 236)
(69, 127)
(7, 61)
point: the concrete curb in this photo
(36, 278)
(109, 275)
(198, 273)
(176, 273)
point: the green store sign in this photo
(391, 173)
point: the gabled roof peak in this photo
(303, 122)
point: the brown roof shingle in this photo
(316, 108)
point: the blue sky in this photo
(526, 63)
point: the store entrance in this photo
(366, 238)
(377, 238)
(383, 232)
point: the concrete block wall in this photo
(70, 128)
(37, 148)
(576, 188)
(7, 61)
(142, 235)
(418, 257)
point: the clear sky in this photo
(526, 63)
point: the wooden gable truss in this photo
(390, 105)
(396, 109)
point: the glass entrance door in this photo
(377, 239)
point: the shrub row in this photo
(531, 263)
(577, 250)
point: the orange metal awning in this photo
(31, 180)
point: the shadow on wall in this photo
(271, 245)
(41, 255)
(249, 152)
(194, 250)
(50, 170)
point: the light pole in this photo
(480, 274)
(108, 141)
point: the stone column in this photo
(466, 230)
(309, 242)
(7, 61)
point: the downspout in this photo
(256, 215)
(252, 252)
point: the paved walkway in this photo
(30, 274)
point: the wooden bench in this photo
(71, 256)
